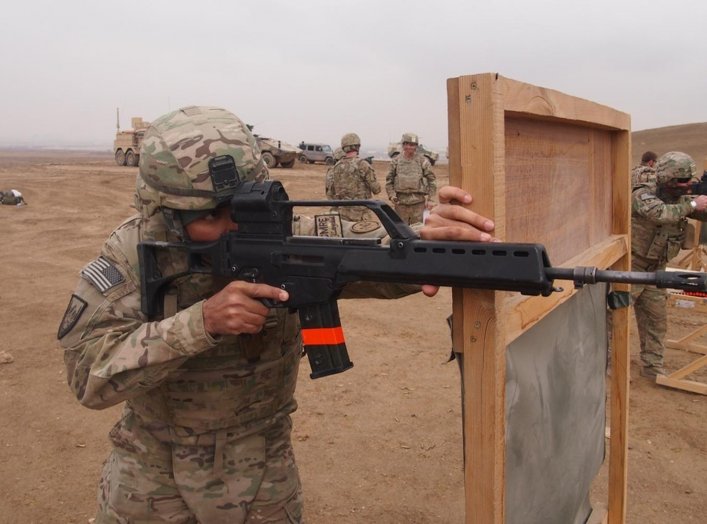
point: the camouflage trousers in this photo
(410, 213)
(650, 306)
(253, 479)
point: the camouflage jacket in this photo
(179, 381)
(411, 180)
(657, 227)
(352, 179)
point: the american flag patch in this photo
(102, 274)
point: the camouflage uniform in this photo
(657, 232)
(352, 178)
(413, 183)
(205, 430)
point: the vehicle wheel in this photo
(303, 159)
(288, 164)
(330, 161)
(269, 160)
(130, 159)
(120, 157)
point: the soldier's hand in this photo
(452, 219)
(701, 202)
(238, 309)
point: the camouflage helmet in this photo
(674, 165)
(350, 141)
(410, 138)
(175, 157)
(338, 154)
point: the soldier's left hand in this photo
(453, 219)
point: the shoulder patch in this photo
(646, 196)
(102, 274)
(71, 315)
(328, 225)
(365, 226)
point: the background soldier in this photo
(658, 225)
(352, 178)
(647, 165)
(411, 185)
(209, 385)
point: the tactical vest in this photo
(409, 177)
(651, 241)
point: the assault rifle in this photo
(684, 187)
(314, 270)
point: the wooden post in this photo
(552, 169)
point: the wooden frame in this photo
(553, 169)
(677, 379)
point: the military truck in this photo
(276, 152)
(395, 148)
(126, 146)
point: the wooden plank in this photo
(689, 341)
(620, 355)
(550, 168)
(476, 164)
(541, 102)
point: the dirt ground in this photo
(380, 443)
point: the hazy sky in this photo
(314, 69)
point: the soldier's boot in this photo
(652, 371)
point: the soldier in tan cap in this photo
(208, 385)
(411, 185)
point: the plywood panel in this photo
(556, 173)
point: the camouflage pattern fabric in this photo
(175, 155)
(413, 183)
(657, 232)
(205, 435)
(352, 178)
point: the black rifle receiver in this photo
(314, 270)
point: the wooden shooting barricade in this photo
(690, 343)
(694, 259)
(553, 169)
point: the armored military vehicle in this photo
(126, 146)
(395, 148)
(276, 152)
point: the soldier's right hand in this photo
(238, 308)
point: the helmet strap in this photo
(173, 223)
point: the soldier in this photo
(658, 223)
(352, 178)
(648, 160)
(411, 185)
(209, 386)
(338, 155)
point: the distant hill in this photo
(688, 138)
